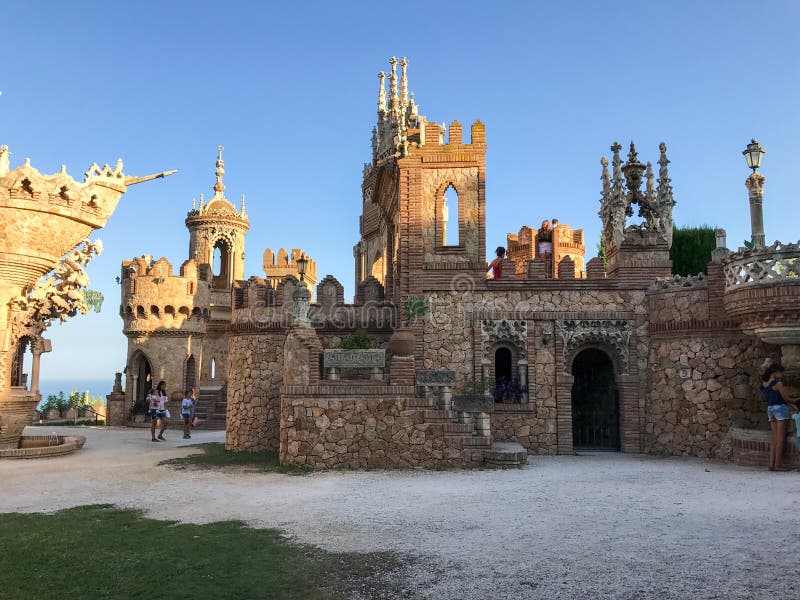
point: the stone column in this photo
(522, 365)
(755, 187)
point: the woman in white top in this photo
(187, 412)
(161, 411)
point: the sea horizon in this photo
(95, 387)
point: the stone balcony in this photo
(762, 291)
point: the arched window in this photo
(449, 217)
(21, 362)
(190, 380)
(377, 268)
(220, 265)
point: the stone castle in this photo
(556, 355)
(177, 325)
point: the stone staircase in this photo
(474, 440)
(211, 408)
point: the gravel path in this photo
(601, 525)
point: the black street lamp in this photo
(753, 154)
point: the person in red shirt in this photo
(497, 264)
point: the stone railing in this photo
(773, 264)
(333, 361)
(679, 282)
(436, 385)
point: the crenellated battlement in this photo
(154, 298)
(278, 267)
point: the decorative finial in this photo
(615, 148)
(382, 93)
(242, 212)
(393, 80)
(219, 187)
(202, 201)
(194, 204)
(604, 177)
(633, 156)
(403, 80)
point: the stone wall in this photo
(522, 423)
(701, 384)
(678, 299)
(359, 426)
(255, 372)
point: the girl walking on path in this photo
(187, 412)
(161, 411)
(777, 412)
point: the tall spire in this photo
(403, 81)
(219, 187)
(393, 98)
(382, 94)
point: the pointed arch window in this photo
(221, 265)
(448, 221)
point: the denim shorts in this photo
(161, 414)
(778, 412)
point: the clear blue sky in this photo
(290, 90)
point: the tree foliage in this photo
(691, 249)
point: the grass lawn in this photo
(103, 552)
(215, 456)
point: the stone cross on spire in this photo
(219, 187)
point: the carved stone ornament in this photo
(438, 377)
(61, 294)
(354, 359)
(614, 334)
(508, 331)
(622, 190)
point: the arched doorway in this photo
(595, 402)
(140, 367)
(503, 370)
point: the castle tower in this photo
(216, 234)
(424, 193)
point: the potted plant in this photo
(509, 391)
(403, 340)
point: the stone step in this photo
(418, 403)
(458, 428)
(440, 416)
(478, 441)
(506, 455)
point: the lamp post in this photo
(755, 186)
(302, 263)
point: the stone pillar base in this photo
(116, 409)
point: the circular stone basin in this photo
(40, 446)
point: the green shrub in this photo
(691, 249)
(358, 341)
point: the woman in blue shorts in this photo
(777, 412)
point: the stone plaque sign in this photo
(473, 404)
(439, 377)
(354, 359)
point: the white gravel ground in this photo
(600, 525)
